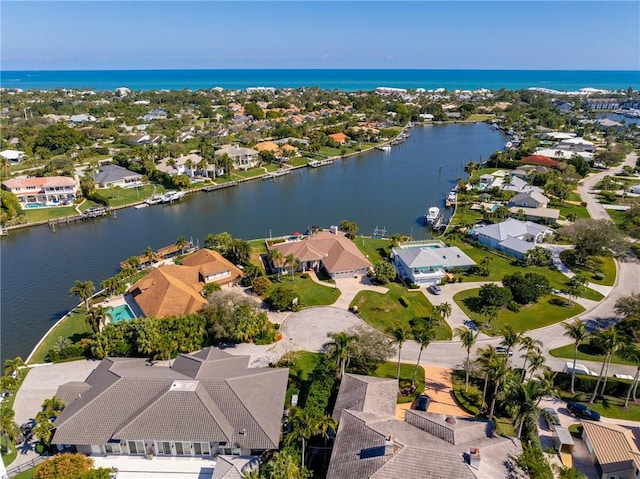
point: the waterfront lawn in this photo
(73, 327)
(308, 291)
(250, 173)
(586, 353)
(117, 196)
(465, 215)
(384, 311)
(375, 249)
(34, 215)
(389, 370)
(480, 117)
(258, 248)
(548, 310)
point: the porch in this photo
(138, 467)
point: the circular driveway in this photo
(308, 329)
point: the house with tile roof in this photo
(109, 176)
(204, 404)
(243, 158)
(539, 159)
(371, 443)
(339, 138)
(427, 264)
(328, 250)
(529, 199)
(172, 290)
(512, 236)
(43, 191)
(612, 449)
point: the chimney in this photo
(474, 457)
(388, 446)
(333, 229)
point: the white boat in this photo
(452, 197)
(384, 147)
(432, 215)
(154, 200)
(171, 196)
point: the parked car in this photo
(551, 418)
(623, 376)
(579, 369)
(435, 289)
(580, 410)
(502, 350)
(421, 403)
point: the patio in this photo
(138, 467)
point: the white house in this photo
(33, 192)
(82, 118)
(243, 158)
(426, 264)
(14, 156)
(512, 236)
(183, 165)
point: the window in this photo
(183, 448)
(163, 448)
(231, 451)
(201, 449)
(112, 448)
(136, 447)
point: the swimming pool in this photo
(121, 313)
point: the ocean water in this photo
(346, 80)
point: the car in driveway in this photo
(551, 418)
(435, 289)
(421, 403)
(580, 410)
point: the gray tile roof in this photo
(234, 467)
(366, 393)
(128, 400)
(111, 173)
(510, 228)
(450, 257)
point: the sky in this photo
(94, 35)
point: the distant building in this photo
(529, 199)
(13, 156)
(82, 118)
(538, 159)
(43, 191)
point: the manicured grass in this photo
(375, 249)
(501, 266)
(73, 327)
(28, 474)
(258, 248)
(604, 264)
(13, 453)
(566, 209)
(586, 353)
(303, 363)
(250, 173)
(480, 117)
(390, 370)
(607, 407)
(308, 291)
(532, 316)
(465, 215)
(616, 216)
(44, 214)
(124, 196)
(384, 311)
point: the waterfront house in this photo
(13, 156)
(203, 404)
(339, 138)
(529, 199)
(243, 158)
(183, 165)
(427, 263)
(43, 191)
(172, 290)
(328, 250)
(612, 449)
(109, 176)
(539, 159)
(544, 215)
(371, 443)
(512, 236)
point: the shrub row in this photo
(615, 387)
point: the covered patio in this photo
(138, 467)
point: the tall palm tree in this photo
(536, 361)
(322, 426)
(444, 310)
(150, 254)
(292, 262)
(529, 345)
(399, 336)
(510, 338)
(491, 312)
(340, 350)
(577, 331)
(97, 317)
(182, 244)
(111, 285)
(609, 342)
(276, 259)
(631, 352)
(423, 336)
(485, 357)
(522, 399)
(9, 430)
(13, 366)
(303, 427)
(496, 371)
(84, 290)
(468, 338)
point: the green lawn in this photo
(13, 453)
(602, 264)
(532, 316)
(44, 214)
(116, 197)
(480, 117)
(586, 353)
(502, 266)
(384, 311)
(616, 216)
(73, 327)
(308, 291)
(607, 407)
(28, 474)
(566, 209)
(375, 249)
(390, 370)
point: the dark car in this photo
(422, 403)
(552, 419)
(580, 410)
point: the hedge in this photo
(615, 387)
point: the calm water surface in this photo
(391, 190)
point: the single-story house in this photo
(612, 449)
(13, 156)
(371, 443)
(426, 264)
(524, 171)
(43, 191)
(114, 175)
(529, 199)
(202, 405)
(539, 159)
(172, 290)
(330, 250)
(339, 138)
(546, 215)
(577, 145)
(82, 118)
(512, 236)
(140, 139)
(243, 158)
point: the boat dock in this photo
(275, 174)
(228, 184)
(319, 163)
(94, 212)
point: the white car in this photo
(623, 376)
(579, 369)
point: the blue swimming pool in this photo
(121, 313)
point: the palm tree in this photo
(276, 259)
(468, 339)
(9, 430)
(52, 406)
(631, 352)
(97, 317)
(150, 254)
(340, 350)
(529, 345)
(111, 285)
(13, 366)
(522, 399)
(510, 338)
(608, 341)
(302, 428)
(444, 310)
(485, 357)
(491, 312)
(399, 336)
(84, 290)
(182, 244)
(322, 426)
(496, 371)
(578, 332)
(423, 336)
(292, 262)
(536, 361)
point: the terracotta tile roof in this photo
(39, 182)
(612, 445)
(266, 146)
(339, 137)
(210, 263)
(539, 160)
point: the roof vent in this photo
(388, 446)
(450, 420)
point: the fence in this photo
(14, 471)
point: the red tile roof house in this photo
(539, 160)
(330, 250)
(43, 191)
(339, 138)
(206, 403)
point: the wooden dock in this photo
(90, 213)
(228, 184)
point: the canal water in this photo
(390, 190)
